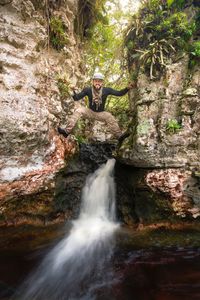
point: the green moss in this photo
(120, 109)
(134, 75)
(165, 235)
(143, 127)
(80, 139)
(195, 49)
(63, 89)
(63, 84)
(79, 131)
(58, 36)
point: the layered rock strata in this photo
(166, 134)
(31, 103)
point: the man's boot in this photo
(63, 132)
(123, 136)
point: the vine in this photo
(90, 12)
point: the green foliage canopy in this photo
(160, 30)
(104, 51)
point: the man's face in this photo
(97, 83)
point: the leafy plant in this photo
(156, 55)
(157, 33)
(80, 139)
(120, 109)
(176, 3)
(63, 89)
(172, 126)
(63, 84)
(58, 36)
(195, 52)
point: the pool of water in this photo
(159, 274)
(143, 267)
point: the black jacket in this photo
(105, 93)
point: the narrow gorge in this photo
(89, 216)
(41, 174)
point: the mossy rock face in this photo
(36, 209)
(143, 128)
(176, 234)
(151, 207)
(136, 202)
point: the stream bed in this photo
(148, 264)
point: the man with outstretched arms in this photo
(97, 95)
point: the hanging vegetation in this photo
(160, 31)
(58, 36)
(90, 12)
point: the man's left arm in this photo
(122, 92)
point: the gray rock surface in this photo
(174, 97)
(30, 101)
(174, 154)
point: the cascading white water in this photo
(75, 268)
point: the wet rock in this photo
(181, 188)
(142, 275)
(137, 203)
(71, 179)
(27, 193)
(150, 196)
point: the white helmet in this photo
(98, 76)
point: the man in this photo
(97, 95)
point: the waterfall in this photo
(79, 264)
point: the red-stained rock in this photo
(169, 181)
(181, 188)
(43, 178)
(32, 106)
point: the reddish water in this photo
(169, 273)
(160, 274)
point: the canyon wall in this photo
(32, 104)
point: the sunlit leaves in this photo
(169, 2)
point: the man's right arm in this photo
(80, 95)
